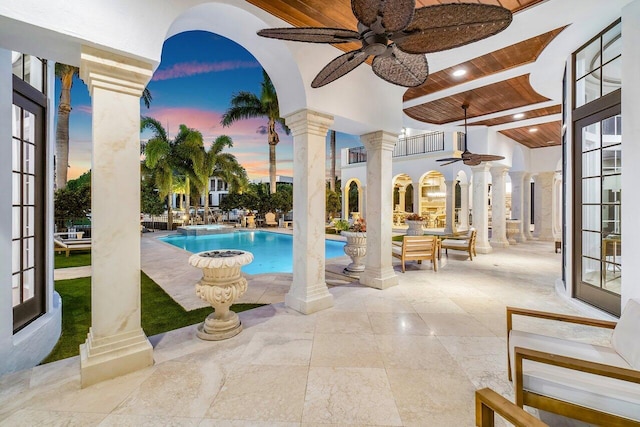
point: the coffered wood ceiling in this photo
(532, 114)
(547, 135)
(504, 95)
(518, 54)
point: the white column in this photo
(116, 344)
(417, 194)
(630, 136)
(308, 291)
(517, 202)
(463, 216)
(402, 198)
(481, 207)
(345, 202)
(362, 201)
(450, 207)
(378, 271)
(526, 206)
(544, 206)
(499, 207)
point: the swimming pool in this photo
(272, 252)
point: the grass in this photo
(160, 313)
(74, 259)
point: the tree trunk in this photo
(169, 213)
(206, 203)
(273, 141)
(332, 181)
(187, 201)
(62, 131)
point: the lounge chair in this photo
(270, 219)
(416, 248)
(465, 243)
(68, 245)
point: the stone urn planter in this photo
(513, 231)
(415, 227)
(220, 286)
(356, 248)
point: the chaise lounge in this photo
(416, 248)
(465, 243)
(68, 245)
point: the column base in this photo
(310, 303)
(495, 243)
(483, 248)
(379, 278)
(106, 358)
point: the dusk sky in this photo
(193, 85)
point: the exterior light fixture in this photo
(518, 116)
(459, 72)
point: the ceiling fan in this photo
(398, 35)
(469, 158)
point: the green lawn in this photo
(75, 259)
(160, 313)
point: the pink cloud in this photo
(87, 109)
(185, 69)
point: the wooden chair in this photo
(591, 383)
(488, 403)
(463, 243)
(270, 219)
(416, 248)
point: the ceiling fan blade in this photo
(339, 67)
(447, 159)
(441, 27)
(366, 11)
(448, 163)
(311, 34)
(403, 69)
(472, 162)
(488, 157)
(397, 14)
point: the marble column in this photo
(481, 207)
(463, 216)
(345, 202)
(499, 207)
(544, 206)
(517, 202)
(308, 292)
(402, 198)
(526, 206)
(362, 201)
(116, 343)
(417, 194)
(450, 207)
(378, 271)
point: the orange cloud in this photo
(186, 69)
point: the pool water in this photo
(272, 252)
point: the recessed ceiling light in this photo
(459, 72)
(533, 130)
(518, 116)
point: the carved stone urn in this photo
(220, 286)
(415, 227)
(356, 248)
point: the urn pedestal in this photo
(356, 248)
(221, 284)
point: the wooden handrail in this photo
(488, 403)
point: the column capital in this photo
(402, 189)
(113, 72)
(481, 168)
(499, 171)
(463, 184)
(379, 139)
(308, 121)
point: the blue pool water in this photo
(272, 252)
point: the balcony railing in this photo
(419, 144)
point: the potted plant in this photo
(415, 223)
(356, 247)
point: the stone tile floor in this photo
(409, 355)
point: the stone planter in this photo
(415, 227)
(356, 248)
(220, 286)
(513, 231)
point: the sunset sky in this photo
(197, 77)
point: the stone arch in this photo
(274, 57)
(346, 197)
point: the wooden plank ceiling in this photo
(516, 55)
(504, 95)
(531, 114)
(545, 134)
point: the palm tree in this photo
(66, 74)
(246, 105)
(332, 181)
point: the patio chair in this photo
(489, 403)
(416, 248)
(462, 243)
(270, 219)
(68, 245)
(591, 383)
